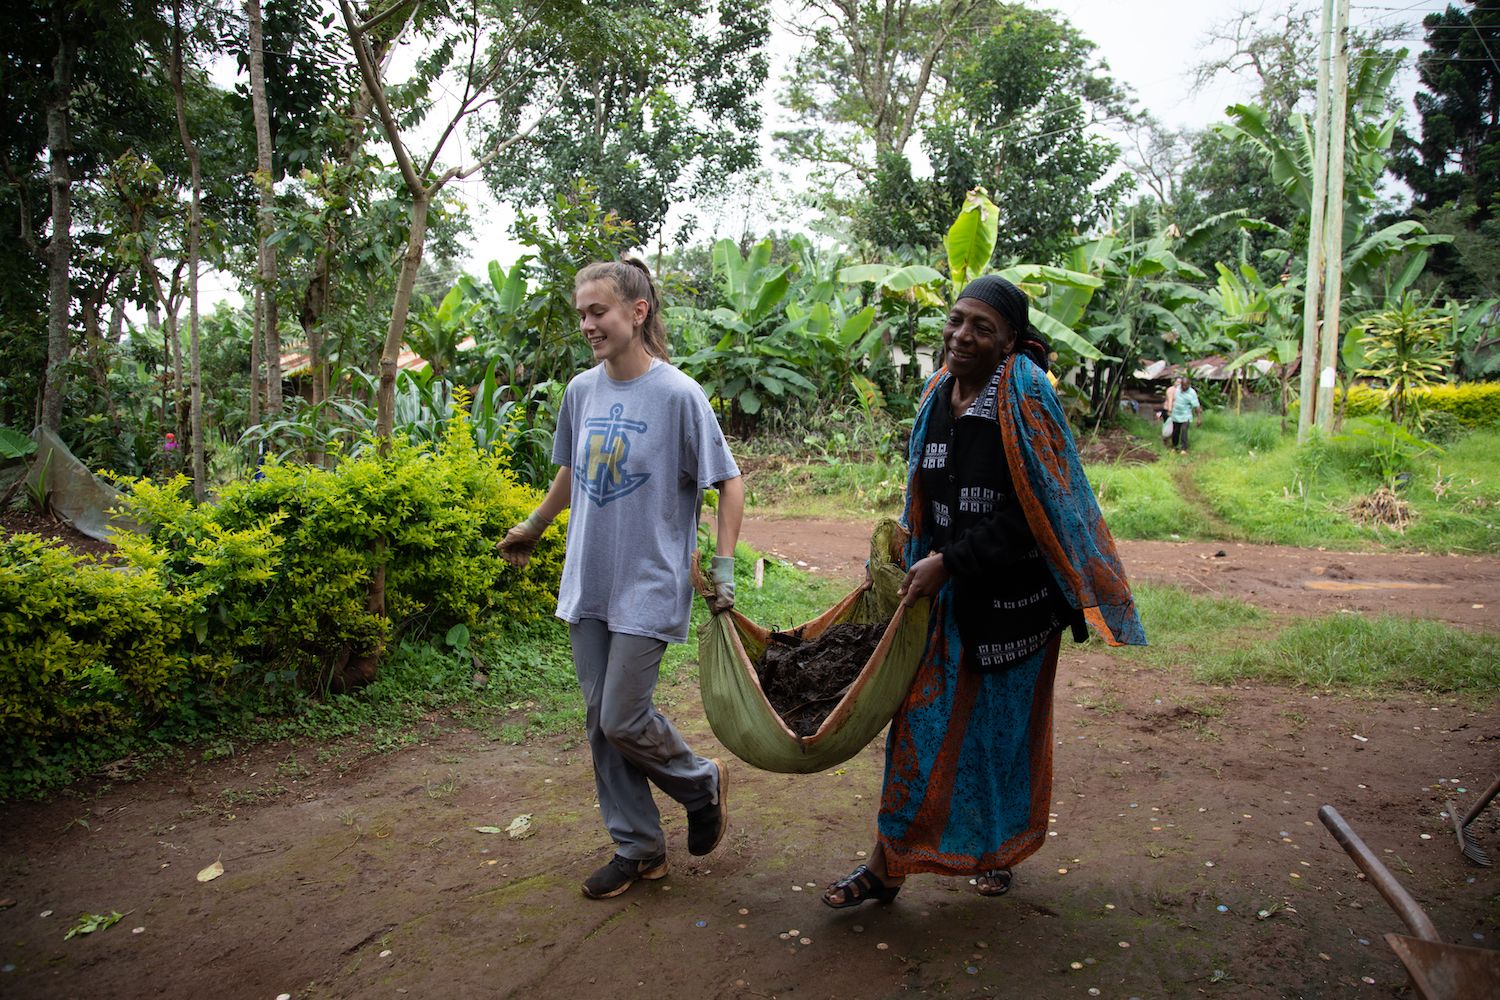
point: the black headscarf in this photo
(1011, 303)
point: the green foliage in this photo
(278, 572)
(656, 108)
(14, 444)
(1405, 347)
(1138, 501)
(1377, 653)
(1472, 404)
(1014, 117)
(85, 649)
(786, 335)
(1452, 168)
(88, 923)
(1381, 448)
(249, 603)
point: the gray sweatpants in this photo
(633, 744)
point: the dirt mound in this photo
(804, 680)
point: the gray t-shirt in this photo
(642, 451)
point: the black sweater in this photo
(1007, 604)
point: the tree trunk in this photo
(93, 339)
(60, 243)
(314, 306)
(195, 369)
(263, 169)
(318, 296)
(179, 385)
(255, 359)
(411, 263)
(117, 320)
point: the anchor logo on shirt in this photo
(605, 450)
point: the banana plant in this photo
(753, 352)
(1476, 338)
(1368, 136)
(437, 334)
(1264, 320)
(1057, 294)
(751, 285)
(1148, 304)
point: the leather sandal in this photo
(859, 886)
(995, 882)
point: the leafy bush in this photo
(277, 576)
(85, 649)
(1473, 404)
(224, 609)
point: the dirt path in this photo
(1460, 590)
(1183, 812)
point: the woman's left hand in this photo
(924, 579)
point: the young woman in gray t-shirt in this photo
(636, 445)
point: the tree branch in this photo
(27, 234)
(371, 77)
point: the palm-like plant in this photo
(1262, 319)
(1406, 347)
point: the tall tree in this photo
(494, 53)
(1012, 115)
(195, 229)
(264, 180)
(1015, 118)
(491, 53)
(672, 113)
(1453, 169)
(77, 89)
(860, 86)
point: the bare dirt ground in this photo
(1187, 858)
(1460, 590)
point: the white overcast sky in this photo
(1149, 45)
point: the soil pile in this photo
(803, 680)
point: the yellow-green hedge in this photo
(1473, 404)
(261, 589)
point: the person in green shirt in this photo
(1184, 405)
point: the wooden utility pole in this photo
(1333, 230)
(1312, 287)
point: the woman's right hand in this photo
(924, 579)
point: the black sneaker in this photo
(706, 826)
(621, 873)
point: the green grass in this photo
(828, 488)
(1218, 641)
(1246, 480)
(1381, 653)
(1255, 484)
(1139, 501)
(1183, 629)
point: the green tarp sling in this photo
(730, 645)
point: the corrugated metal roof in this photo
(295, 363)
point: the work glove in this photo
(519, 542)
(721, 575)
